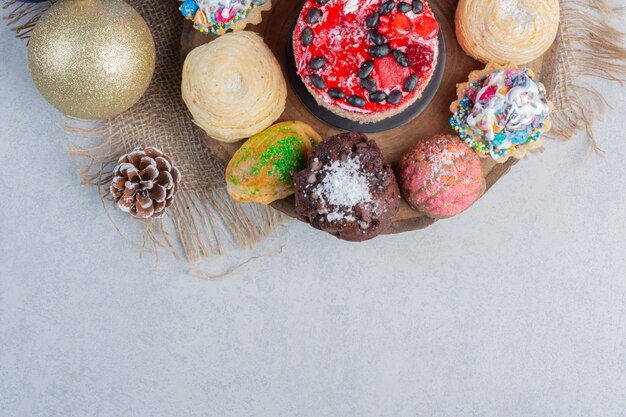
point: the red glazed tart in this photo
(366, 60)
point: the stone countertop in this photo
(516, 307)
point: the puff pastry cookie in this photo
(233, 86)
(506, 31)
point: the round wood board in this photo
(276, 31)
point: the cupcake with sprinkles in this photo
(501, 112)
(218, 16)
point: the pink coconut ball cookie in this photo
(441, 176)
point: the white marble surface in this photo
(515, 308)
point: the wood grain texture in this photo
(276, 28)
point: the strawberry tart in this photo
(366, 60)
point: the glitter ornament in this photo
(91, 59)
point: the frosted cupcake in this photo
(218, 16)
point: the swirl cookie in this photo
(366, 60)
(501, 112)
(218, 16)
(506, 31)
(234, 86)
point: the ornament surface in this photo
(91, 59)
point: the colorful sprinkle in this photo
(219, 15)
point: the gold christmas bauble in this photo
(91, 59)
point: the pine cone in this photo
(145, 182)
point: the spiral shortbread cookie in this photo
(507, 31)
(233, 86)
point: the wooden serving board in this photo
(276, 31)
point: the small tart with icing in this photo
(366, 60)
(234, 86)
(501, 112)
(218, 16)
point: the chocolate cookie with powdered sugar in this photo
(346, 189)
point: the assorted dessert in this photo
(218, 16)
(346, 188)
(366, 60)
(512, 31)
(501, 112)
(233, 86)
(262, 170)
(441, 176)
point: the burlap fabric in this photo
(203, 215)
(587, 46)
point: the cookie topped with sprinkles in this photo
(366, 60)
(218, 16)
